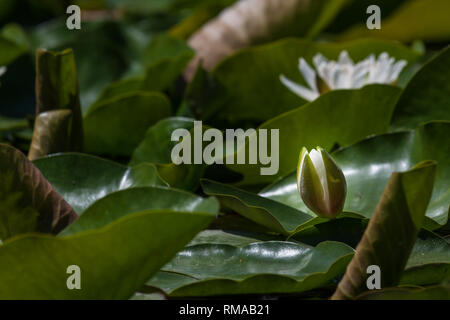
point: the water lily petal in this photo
(308, 74)
(316, 158)
(396, 70)
(301, 161)
(324, 68)
(341, 77)
(299, 90)
(344, 58)
(346, 82)
(319, 60)
(379, 72)
(361, 73)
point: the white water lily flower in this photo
(344, 73)
(2, 70)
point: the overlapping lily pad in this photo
(122, 240)
(156, 148)
(230, 237)
(391, 232)
(163, 60)
(115, 260)
(338, 117)
(82, 179)
(429, 262)
(264, 267)
(216, 262)
(367, 166)
(10, 50)
(427, 95)
(117, 204)
(271, 214)
(116, 126)
(29, 203)
(157, 145)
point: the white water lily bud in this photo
(2, 70)
(321, 183)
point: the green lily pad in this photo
(115, 261)
(165, 58)
(115, 205)
(204, 95)
(271, 214)
(165, 47)
(348, 230)
(338, 117)
(82, 179)
(257, 268)
(198, 270)
(230, 237)
(17, 34)
(426, 96)
(163, 61)
(10, 50)
(251, 76)
(368, 165)
(429, 248)
(157, 147)
(117, 126)
(29, 202)
(429, 262)
(400, 214)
